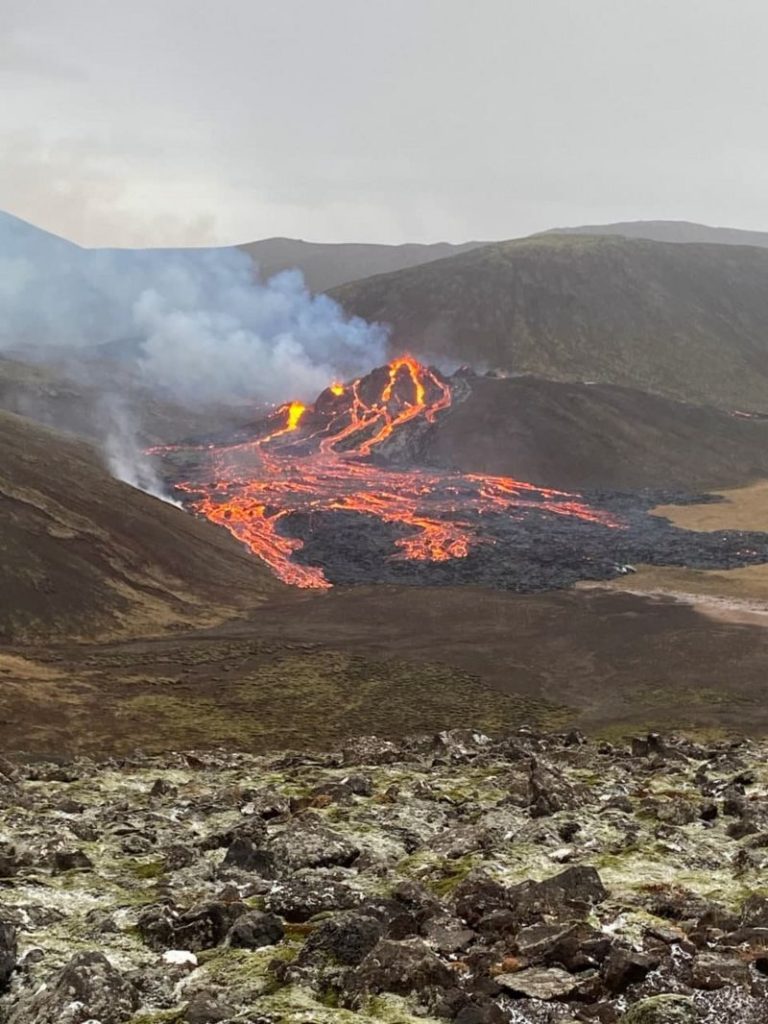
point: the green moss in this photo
(314, 698)
(152, 869)
(175, 1016)
(453, 873)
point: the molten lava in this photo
(317, 458)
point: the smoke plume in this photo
(199, 324)
(125, 459)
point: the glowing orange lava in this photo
(316, 459)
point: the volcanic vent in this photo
(336, 455)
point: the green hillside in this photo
(688, 321)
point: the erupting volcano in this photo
(331, 457)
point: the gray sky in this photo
(196, 121)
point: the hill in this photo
(92, 397)
(327, 265)
(585, 437)
(83, 554)
(688, 321)
(679, 231)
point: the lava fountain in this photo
(324, 458)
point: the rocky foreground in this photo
(529, 880)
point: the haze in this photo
(181, 123)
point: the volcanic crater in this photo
(344, 491)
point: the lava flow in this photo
(318, 458)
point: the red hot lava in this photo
(315, 458)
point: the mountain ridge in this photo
(689, 322)
(679, 232)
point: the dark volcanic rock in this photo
(400, 967)
(531, 549)
(539, 983)
(717, 970)
(255, 929)
(310, 893)
(244, 854)
(8, 953)
(70, 860)
(88, 988)
(311, 844)
(409, 889)
(201, 927)
(346, 938)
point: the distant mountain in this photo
(326, 265)
(592, 437)
(83, 554)
(21, 237)
(689, 322)
(679, 231)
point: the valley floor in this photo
(736, 596)
(664, 648)
(391, 660)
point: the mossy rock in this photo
(661, 1010)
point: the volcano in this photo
(330, 457)
(335, 492)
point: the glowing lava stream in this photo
(315, 461)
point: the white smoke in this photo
(125, 458)
(199, 323)
(197, 326)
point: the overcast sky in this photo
(160, 122)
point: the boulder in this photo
(309, 893)
(70, 860)
(625, 967)
(571, 893)
(252, 829)
(539, 983)
(345, 939)
(713, 970)
(201, 927)
(8, 953)
(205, 1008)
(401, 968)
(478, 896)
(309, 843)
(549, 791)
(661, 1010)
(244, 854)
(87, 988)
(574, 945)
(255, 929)
(754, 912)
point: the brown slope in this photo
(688, 321)
(88, 398)
(327, 265)
(581, 436)
(83, 555)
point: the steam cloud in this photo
(198, 323)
